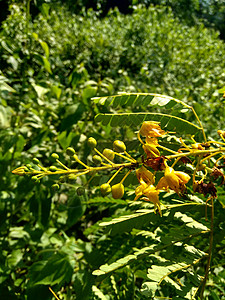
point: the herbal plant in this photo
(169, 240)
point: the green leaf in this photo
(44, 46)
(57, 91)
(14, 258)
(57, 270)
(135, 99)
(65, 139)
(146, 216)
(168, 122)
(222, 90)
(148, 289)
(4, 86)
(47, 64)
(98, 293)
(40, 90)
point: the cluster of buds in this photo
(151, 163)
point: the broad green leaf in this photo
(5, 116)
(57, 91)
(65, 139)
(57, 270)
(40, 90)
(14, 258)
(4, 86)
(168, 122)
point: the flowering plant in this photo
(190, 168)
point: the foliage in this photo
(51, 67)
(174, 257)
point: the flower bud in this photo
(97, 159)
(221, 133)
(119, 146)
(197, 146)
(105, 189)
(55, 186)
(70, 151)
(34, 178)
(80, 191)
(72, 177)
(108, 153)
(118, 191)
(92, 142)
(53, 168)
(36, 161)
(55, 155)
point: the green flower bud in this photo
(55, 186)
(72, 177)
(118, 191)
(28, 166)
(53, 169)
(80, 191)
(34, 178)
(119, 146)
(55, 155)
(97, 159)
(36, 161)
(108, 153)
(92, 142)
(105, 189)
(70, 151)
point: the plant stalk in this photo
(210, 251)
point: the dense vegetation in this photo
(52, 63)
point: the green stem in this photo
(114, 175)
(125, 157)
(125, 176)
(210, 251)
(196, 116)
(195, 152)
(103, 156)
(62, 165)
(167, 149)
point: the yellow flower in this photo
(174, 180)
(145, 175)
(139, 190)
(152, 195)
(151, 150)
(152, 141)
(151, 129)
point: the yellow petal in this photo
(172, 180)
(182, 176)
(153, 195)
(145, 175)
(139, 190)
(162, 184)
(147, 126)
(151, 150)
